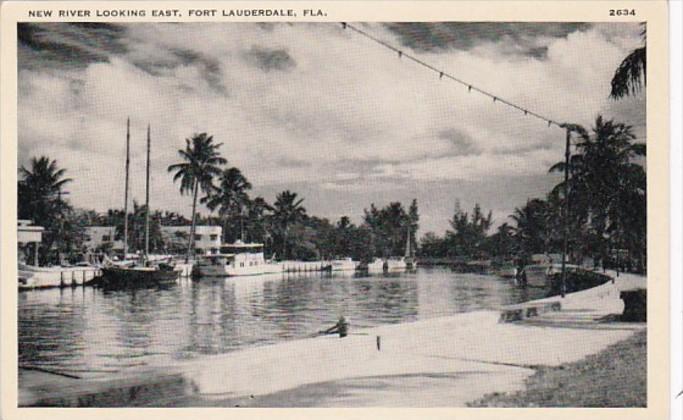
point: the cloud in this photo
(313, 106)
(67, 45)
(518, 38)
(270, 59)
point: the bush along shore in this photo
(614, 377)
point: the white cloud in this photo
(340, 99)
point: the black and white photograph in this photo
(332, 214)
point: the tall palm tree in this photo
(631, 73)
(201, 162)
(287, 210)
(230, 197)
(40, 199)
(607, 186)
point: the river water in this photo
(87, 331)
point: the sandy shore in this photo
(438, 362)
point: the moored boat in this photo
(33, 277)
(140, 276)
(396, 264)
(147, 272)
(236, 259)
(345, 264)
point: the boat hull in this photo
(31, 277)
(344, 265)
(128, 278)
(207, 270)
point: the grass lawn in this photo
(615, 377)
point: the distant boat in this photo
(409, 259)
(236, 259)
(541, 275)
(394, 264)
(385, 265)
(138, 274)
(345, 264)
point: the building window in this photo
(198, 251)
(214, 250)
(106, 238)
(214, 237)
(197, 237)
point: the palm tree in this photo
(607, 187)
(631, 73)
(40, 198)
(39, 188)
(287, 210)
(531, 227)
(201, 161)
(258, 213)
(230, 198)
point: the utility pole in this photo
(567, 152)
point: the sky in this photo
(320, 110)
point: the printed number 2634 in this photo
(622, 12)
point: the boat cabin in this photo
(243, 254)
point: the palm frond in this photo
(630, 75)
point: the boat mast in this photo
(408, 250)
(125, 200)
(147, 197)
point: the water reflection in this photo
(89, 331)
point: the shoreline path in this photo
(442, 362)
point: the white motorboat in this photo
(236, 259)
(31, 277)
(396, 264)
(346, 264)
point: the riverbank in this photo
(615, 377)
(441, 362)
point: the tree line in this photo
(606, 192)
(284, 226)
(606, 221)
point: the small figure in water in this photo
(341, 327)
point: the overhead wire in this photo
(444, 74)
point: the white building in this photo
(99, 236)
(207, 239)
(28, 233)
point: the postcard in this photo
(335, 209)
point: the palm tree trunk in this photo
(190, 246)
(226, 225)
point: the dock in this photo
(305, 266)
(46, 277)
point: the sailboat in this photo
(143, 273)
(394, 264)
(410, 260)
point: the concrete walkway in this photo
(443, 362)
